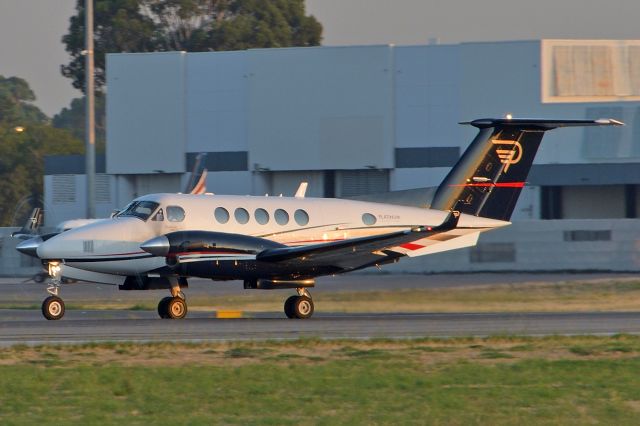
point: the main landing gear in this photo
(53, 306)
(174, 307)
(300, 306)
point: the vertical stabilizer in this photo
(488, 178)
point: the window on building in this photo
(493, 253)
(590, 70)
(64, 189)
(587, 235)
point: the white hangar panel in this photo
(145, 113)
(321, 108)
(427, 96)
(216, 101)
(418, 177)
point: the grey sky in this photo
(30, 30)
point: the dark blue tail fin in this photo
(488, 178)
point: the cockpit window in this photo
(140, 209)
(159, 217)
(175, 213)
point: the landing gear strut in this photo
(53, 306)
(300, 306)
(174, 307)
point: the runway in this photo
(28, 326)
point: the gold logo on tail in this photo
(511, 153)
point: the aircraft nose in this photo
(30, 246)
(158, 246)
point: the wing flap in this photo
(355, 252)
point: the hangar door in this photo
(350, 183)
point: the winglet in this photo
(302, 190)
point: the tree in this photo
(73, 119)
(119, 26)
(15, 103)
(22, 166)
(190, 25)
(25, 138)
(255, 23)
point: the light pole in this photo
(90, 137)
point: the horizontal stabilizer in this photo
(540, 124)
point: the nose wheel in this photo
(53, 306)
(300, 306)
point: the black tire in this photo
(176, 308)
(288, 307)
(53, 308)
(162, 307)
(303, 307)
(40, 277)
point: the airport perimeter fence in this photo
(542, 245)
(537, 245)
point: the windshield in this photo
(140, 209)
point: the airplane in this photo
(159, 241)
(197, 184)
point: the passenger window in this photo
(175, 214)
(261, 215)
(301, 217)
(241, 215)
(159, 217)
(222, 215)
(368, 219)
(282, 217)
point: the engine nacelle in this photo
(179, 243)
(275, 284)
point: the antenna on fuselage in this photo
(302, 190)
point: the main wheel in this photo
(288, 307)
(53, 308)
(162, 307)
(303, 307)
(176, 308)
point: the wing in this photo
(355, 253)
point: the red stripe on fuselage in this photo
(497, 185)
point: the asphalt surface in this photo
(82, 326)
(28, 326)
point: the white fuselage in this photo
(112, 246)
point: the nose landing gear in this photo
(53, 306)
(300, 306)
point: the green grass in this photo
(497, 380)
